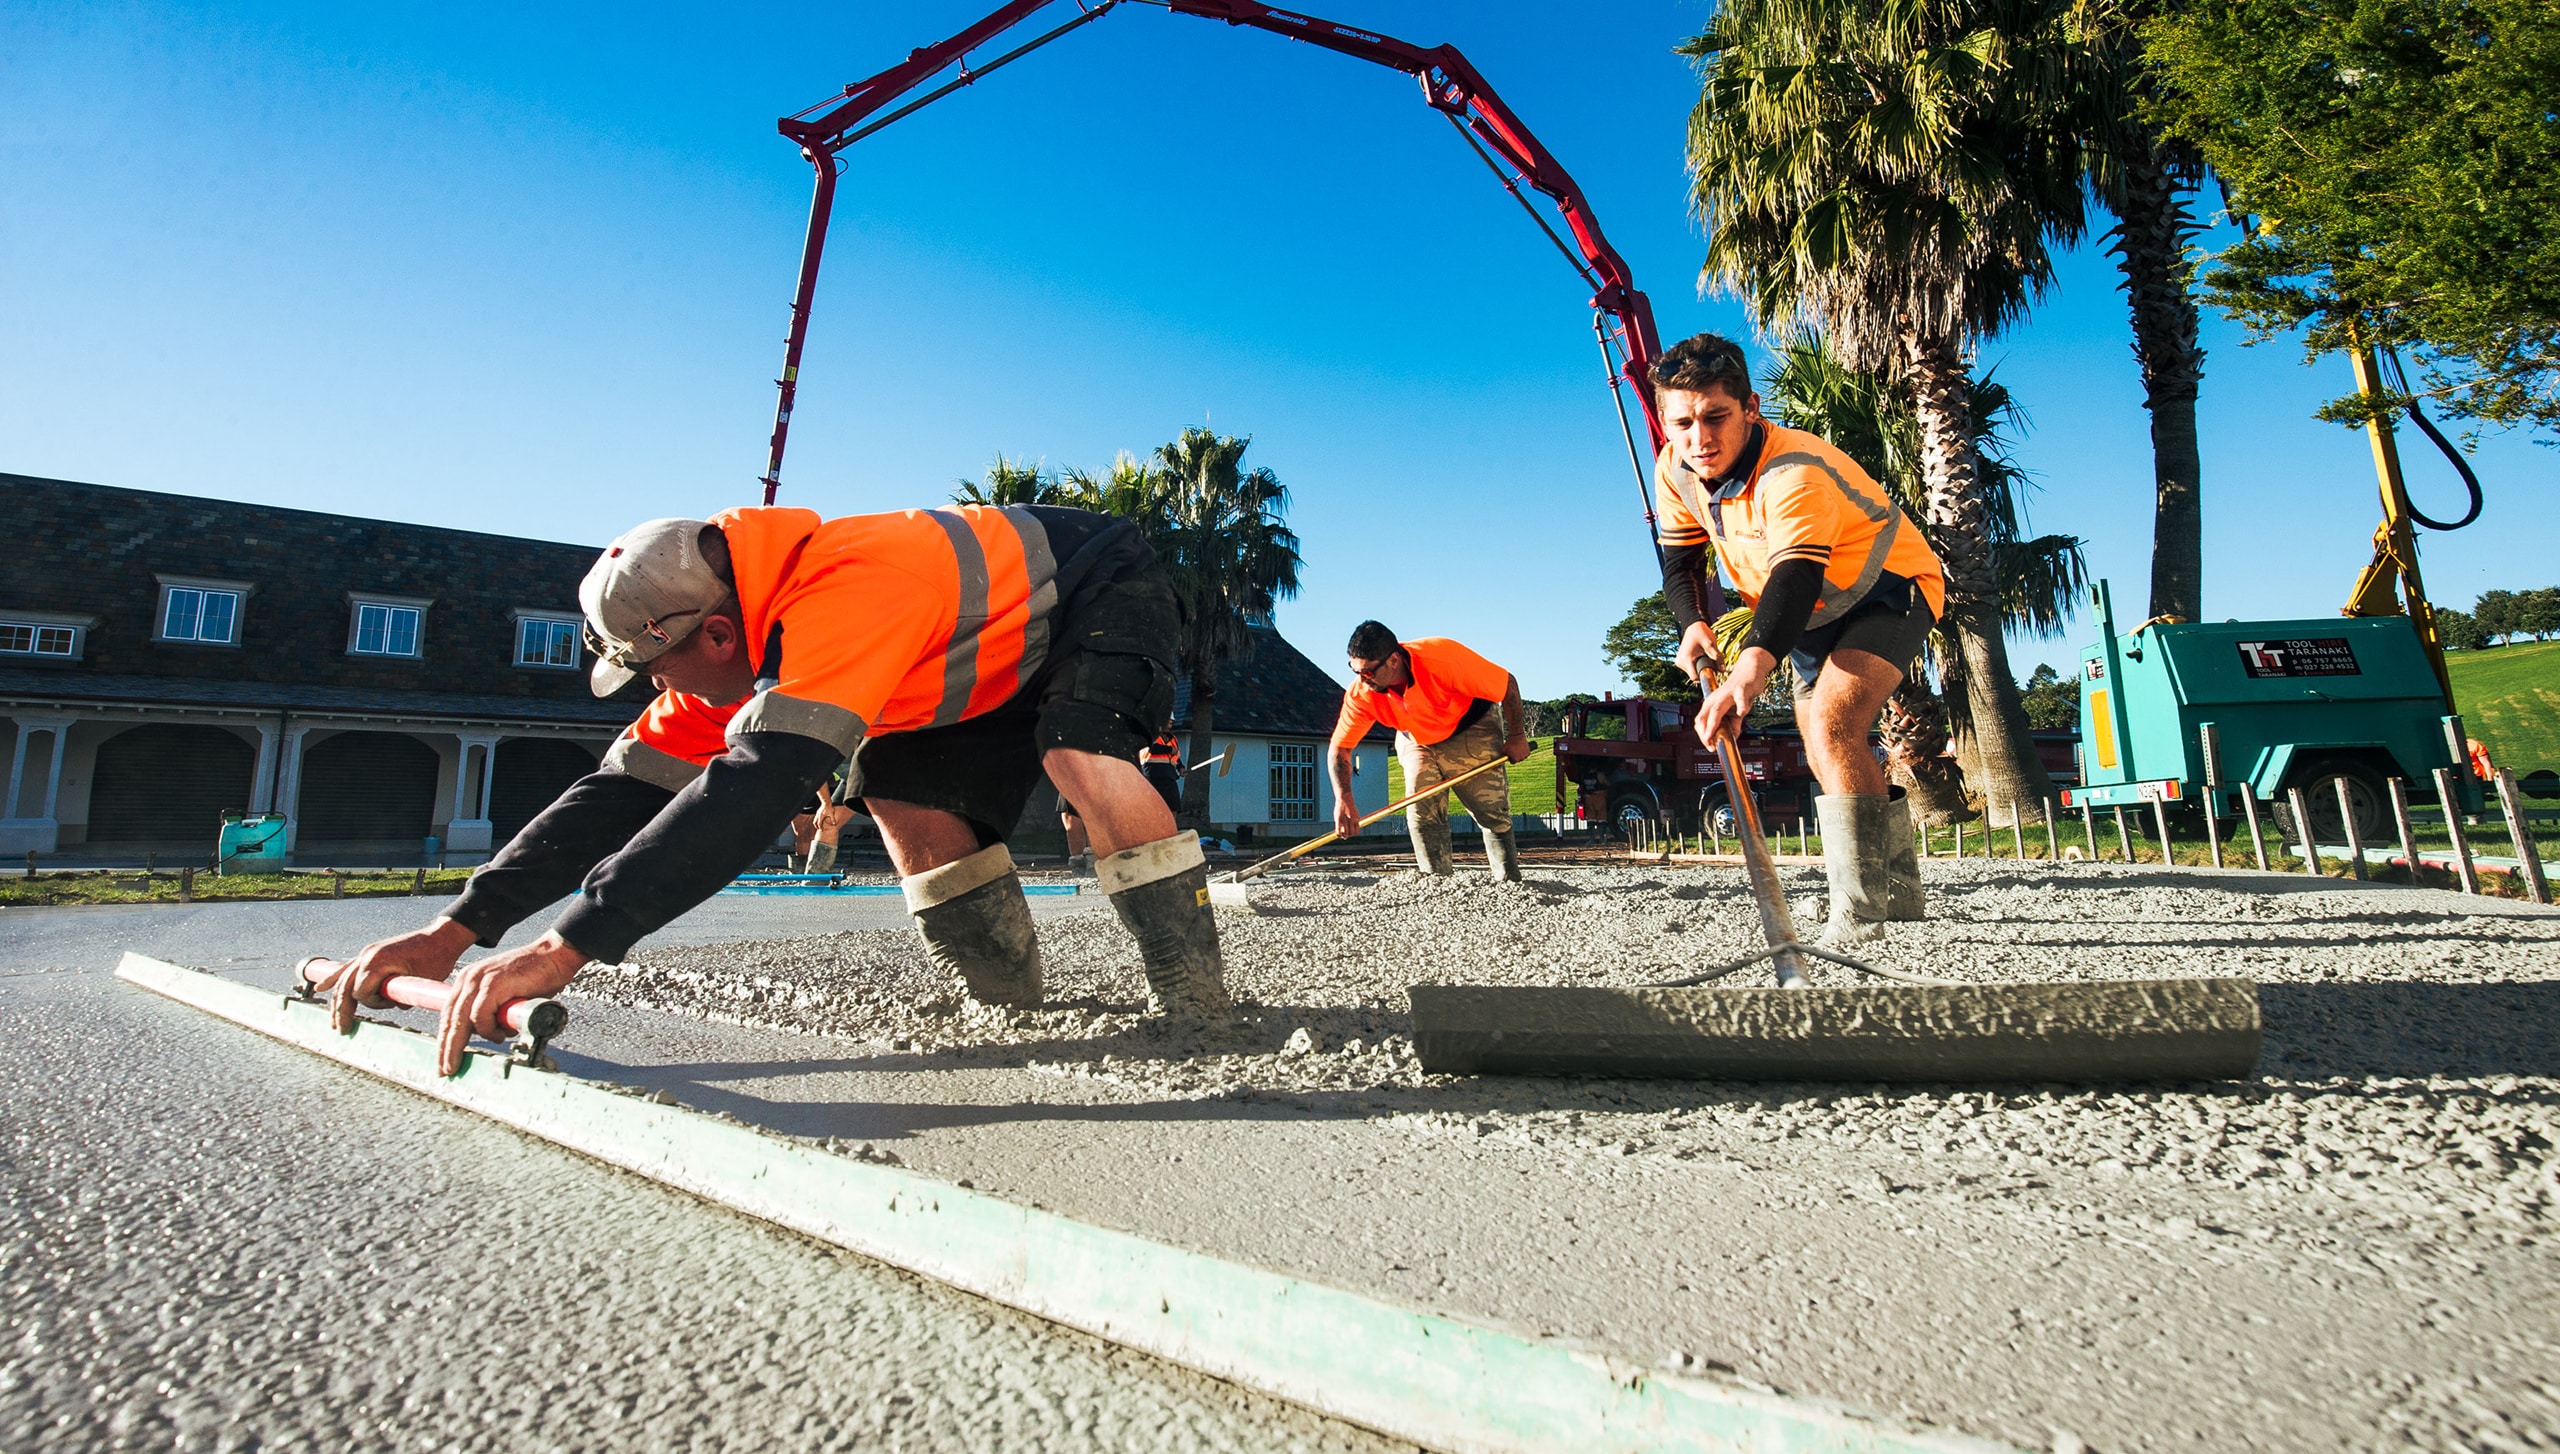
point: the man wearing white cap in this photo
(956, 654)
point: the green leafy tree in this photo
(2398, 167)
(1891, 174)
(2499, 615)
(1218, 529)
(2538, 612)
(1008, 482)
(2459, 630)
(2053, 701)
(1643, 645)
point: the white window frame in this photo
(358, 601)
(577, 645)
(238, 591)
(1287, 758)
(40, 624)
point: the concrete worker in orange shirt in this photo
(1451, 710)
(955, 653)
(1841, 584)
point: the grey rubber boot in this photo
(822, 858)
(1430, 846)
(1906, 899)
(1160, 890)
(1502, 855)
(977, 925)
(1853, 858)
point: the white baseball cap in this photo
(649, 590)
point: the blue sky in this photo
(528, 271)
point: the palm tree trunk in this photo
(1993, 716)
(1915, 748)
(1204, 712)
(2151, 250)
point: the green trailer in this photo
(2191, 714)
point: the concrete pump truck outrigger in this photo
(1913, 1029)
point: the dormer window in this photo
(387, 626)
(546, 640)
(46, 635)
(195, 611)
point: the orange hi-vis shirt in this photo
(1805, 500)
(1447, 680)
(888, 623)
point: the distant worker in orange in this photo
(1451, 710)
(2481, 767)
(956, 654)
(1841, 584)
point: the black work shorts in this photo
(1106, 688)
(1893, 622)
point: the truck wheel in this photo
(2366, 796)
(1629, 805)
(1715, 807)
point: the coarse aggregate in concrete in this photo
(210, 1241)
(2346, 1250)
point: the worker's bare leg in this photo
(1855, 807)
(1156, 878)
(967, 901)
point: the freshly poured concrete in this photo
(2346, 1251)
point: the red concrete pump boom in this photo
(1623, 319)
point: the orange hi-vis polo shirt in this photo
(1447, 680)
(887, 623)
(1805, 500)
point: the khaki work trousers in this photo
(1487, 795)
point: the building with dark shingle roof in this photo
(166, 659)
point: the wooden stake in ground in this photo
(2209, 740)
(187, 885)
(2257, 841)
(2160, 815)
(2520, 829)
(2124, 834)
(2302, 825)
(2347, 820)
(2089, 828)
(2408, 839)
(2052, 848)
(1959, 839)
(2452, 803)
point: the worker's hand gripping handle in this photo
(534, 1021)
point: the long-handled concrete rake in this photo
(1229, 892)
(1914, 1029)
(1222, 761)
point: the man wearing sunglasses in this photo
(956, 654)
(1451, 710)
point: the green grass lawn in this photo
(1533, 783)
(54, 886)
(2510, 699)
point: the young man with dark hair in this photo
(955, 654)
(1841, 584)
(1451, 710)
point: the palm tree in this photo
(2039, 579)
(1217, 528)
(1890, 174)
(1009, 482)
(2144, 179)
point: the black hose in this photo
(2461, 466)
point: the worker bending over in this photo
(1441, 700)
(954, 653)
(1841, 585)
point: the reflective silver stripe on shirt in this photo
(771, 711)
(1040, 565)
(654, 765)
(1837, 601)
(960, 658)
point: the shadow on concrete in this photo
(2410, 1030)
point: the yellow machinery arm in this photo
(2394, 567)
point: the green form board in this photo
(1414, 1375)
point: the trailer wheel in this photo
(2368, 797)
(1715, 809)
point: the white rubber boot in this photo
(1853, 858)
(977, 925)
(1161, 892)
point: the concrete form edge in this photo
(1414, 1375)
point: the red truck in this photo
(1639, 758)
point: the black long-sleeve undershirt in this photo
(1786, 603)
(645, 854)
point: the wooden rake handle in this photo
(1399, 805)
